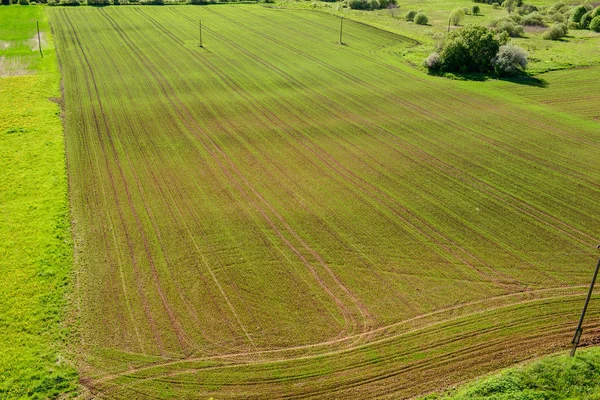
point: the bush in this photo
(574, 25)
(596, 12)
(469, 50)
(510, 60)
(495, 5)
(358, 4)
(577, 13)
(555, 32)
(433, 62)
(456, 16)
(410, 15)
(68, 2)
(421, 19)
(585, 20)
(558, 17)
(24, 2)
(508, 26)
(526, 9)
(533, 19)
(595, 24)
(559, 7)
(475, 10)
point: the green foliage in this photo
(475, 10)
(24, 2)
(559, 7)
(421, 19)
(469, 50)
(527, 9)
(410, 15)
(596, 12)
(533, 19)
(585, 20)
(456, 16)
(595, 24)
(555, 32)
(508, 26)
(69, 2)
(577, 13)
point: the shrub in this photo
(393, 9)
(456, 16)
(410, 15)
(574, 25)
(555, 32)
(577, 13)
(595, 24)
(559, 7)
(511, 28)
(374, 4)
(469, 50)
(68, 2)
(475, 10)
(433, 62)
(558, 17)
(358, 4)
(5, 2)
(421, 19)
(388, 3)
(495, 5)
(526, 9)
(585, 20)
(533, 19)
(24, 2)
(510, 60)
(596, 12)
(510, 5)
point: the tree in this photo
(475, 10)
(421, 19)
(469, 50)
(577, 13)
(595, 24)
(510, 60)
(456, 16)
(410, 15)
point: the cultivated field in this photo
(280, 215)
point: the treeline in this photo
(124, 2)
(558, 18)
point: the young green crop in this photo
(278, 213)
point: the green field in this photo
(36, 252)
(276, 214)
(580, 47)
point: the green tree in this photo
(469, 50)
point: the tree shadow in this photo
(520, 79)
(527, 81)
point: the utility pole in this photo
(39, 39)
(341, 29)
(579, 330)
(201, 33)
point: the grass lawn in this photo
(36, 246)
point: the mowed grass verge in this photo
(36, 245)
(278, 213)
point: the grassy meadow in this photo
(578, 49)
(278, 213)
(36, 252)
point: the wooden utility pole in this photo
(341, 29)
(579, 329)
(39, 38)
(201, 33)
